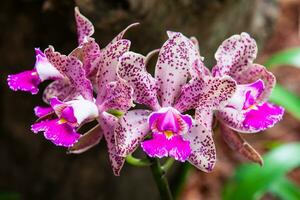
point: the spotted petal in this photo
(235, 54)
(108, 123)
(62, 89)
(61, 134)
(131, 130)
(87, 54)
(72, 68)
(173, 66)
(107, 64)
(204, 117)
(206, 93)
(118, 96)
(203, 154)
(132, 69)
(84, 27)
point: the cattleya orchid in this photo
(180, 101)
(173, 132)
(86, 70)
(248, 110)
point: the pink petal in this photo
(62, 89)
(254, 73)
(40, 111)
(169, 119)
(132, 69)
(108, 123)
(85, 28)
(107, 64)
(265, 116)
(27, 81)
(160, 146)
(131, 130)
(206, 93)
(204, 117)
(72, 68)
(246, 95)
(87, 53)
(75, 111)
(44, 69)
(235, 54)
(173, 66)
(118, 96)
(203, 155)
(61, 134)
(253, 120)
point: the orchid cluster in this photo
(170, 114)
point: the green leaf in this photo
(287, 99)
(285, 189)
(286, 57)
(251, 181)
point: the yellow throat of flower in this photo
(168, 134)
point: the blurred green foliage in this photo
(280, 95)
(251, 182)
(9, 196)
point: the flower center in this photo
(168, 134)
(169, 122)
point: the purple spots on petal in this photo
(208, 93)
(131, 130)
(72, 68)
(235, 54)
(85, 28)
(132, 69)
(203, 152)
(108, 123)
(108, 62)
(62, 89)
(27, 81)
(118, 95)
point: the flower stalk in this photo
(160, 179)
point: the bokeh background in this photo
(32, 168)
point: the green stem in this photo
(137, 162)
(180, 180)
(167, 165)
(160, 179)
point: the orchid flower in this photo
(168, 96)
(84, 108)
(29, 80)
(248, 110)
(86, 70)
